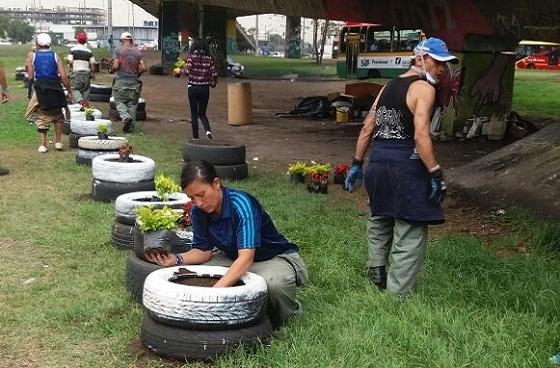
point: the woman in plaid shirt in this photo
(201, 74)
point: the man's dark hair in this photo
(201, 170)
(201, 46)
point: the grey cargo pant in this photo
(282, 274)
(80, 83)
(400, 244)
(126, 93)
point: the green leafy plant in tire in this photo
(297, 168)
(102, 128)
(153, 219)
(165, 186)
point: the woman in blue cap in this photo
(404, 180)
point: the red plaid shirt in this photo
(200, 69)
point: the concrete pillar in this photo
(168, 33)
(215, 34)
(231, 35)
(480, 85)
(293, 38)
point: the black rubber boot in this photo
(4, 171)
(378, 276)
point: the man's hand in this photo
(69, 97)
(438, 188)
(5, 97)
(162, 259)
(354, 178)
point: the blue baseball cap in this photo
(436, 49)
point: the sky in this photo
(122, 9)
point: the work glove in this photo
(438, 189)
(355, 176)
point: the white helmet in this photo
(126, 36)
(43, 39)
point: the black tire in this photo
(218, 153)
(86, 161)
(183, 344)
(122, 235)
(98, 89)
(66, 128)
(181, 246)
(136, 272)
(114, 115)
(141, 106)
(235, 172)
(107, 191)
(73, 139)
(99, 98)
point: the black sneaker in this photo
(209, 135)
(4, 171)
(127, 124)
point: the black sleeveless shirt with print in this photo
(393, 118)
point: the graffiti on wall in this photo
(170, 48)
(293, 38)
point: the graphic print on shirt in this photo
(388, 124)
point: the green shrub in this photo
(150, 219)
(165, 186)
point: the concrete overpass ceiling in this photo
(462, 23)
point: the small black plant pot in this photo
(90, 118)
(339, 179)
(297, 178)
(102, 135)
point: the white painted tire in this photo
(94, 143)
(204, 307)
(87, 127)
(127, 203)
(80, 115)
(143, 169)
(140, 100)
(74, 107)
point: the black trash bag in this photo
(316, 107)
(163, 241)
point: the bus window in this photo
(407, 39)
(344, 40)
(381, 41)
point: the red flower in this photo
(341, 169)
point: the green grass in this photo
(272, 67)
(471, 308)
(536, 92)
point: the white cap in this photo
(43, 39)
(126, 36)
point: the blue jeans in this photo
(198, 101)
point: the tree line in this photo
(16, 30)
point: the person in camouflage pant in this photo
(129, 65)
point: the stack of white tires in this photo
(187, 319)
(82, 128)
(112, 177)
(90, 147)
(77, 113)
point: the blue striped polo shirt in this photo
(242, 224)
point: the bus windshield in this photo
(379, 38)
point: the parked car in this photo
(548, 60)
(234, 69)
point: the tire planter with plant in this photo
(84, 157)
(127, 203)
(89, 127)
(180, 242)
(80, 115)
(174, 296)
(109, 168)
(94, 143)
(186, 344)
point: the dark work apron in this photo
(398, 184)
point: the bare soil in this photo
(275, 140)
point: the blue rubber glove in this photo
(354, 177)
(438, 188)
